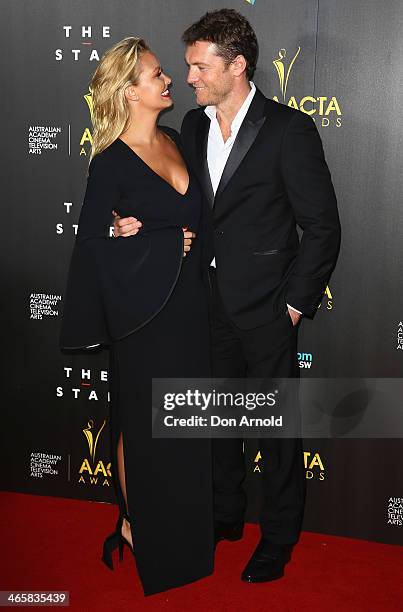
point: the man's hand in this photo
(126, 226)
(295, 316)
(130, 226)
(187, 240)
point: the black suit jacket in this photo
(276, 178)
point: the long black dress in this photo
(149, 304)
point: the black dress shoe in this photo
(228, 531)
(266, 563)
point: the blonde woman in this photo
(144, 297)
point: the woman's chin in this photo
(167, 101)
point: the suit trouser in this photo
(266, 351)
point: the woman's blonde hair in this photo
(119, 67)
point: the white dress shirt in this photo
(218, 151)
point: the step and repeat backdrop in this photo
(340, 62)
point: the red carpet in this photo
(53, 543)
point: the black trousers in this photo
(263, 352)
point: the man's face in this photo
(211, 79)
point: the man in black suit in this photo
(262, 168)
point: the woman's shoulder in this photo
(107, 157)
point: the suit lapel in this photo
(246, 136)
(201, 153)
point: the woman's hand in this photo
(187, 240)
(126, 226)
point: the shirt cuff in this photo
(294, 309)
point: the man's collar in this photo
(211, 111)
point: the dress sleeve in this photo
(115, 285)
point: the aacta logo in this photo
(312, 462)
(94, 472)
(395, 511)
(328, 301)
(83, 40)
(256, 460)
(399, 345)
(314, 467)
(86, 138)
(327, 108)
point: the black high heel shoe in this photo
(115, 540)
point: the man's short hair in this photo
(231, 33)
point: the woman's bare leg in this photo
(126, 532)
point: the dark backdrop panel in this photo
(343, 62)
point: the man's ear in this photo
(131, 94)
(238, 65)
